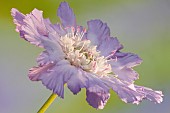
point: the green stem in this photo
(47, 103)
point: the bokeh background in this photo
(142, 26)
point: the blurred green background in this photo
(142, 26)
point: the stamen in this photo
(82, 46)
(112, 53)
(82, 54)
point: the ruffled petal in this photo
(99, 34)
(77, 81)
(97, 92)
(58, 28)
(36, 72)
(53, 76)
(83, 79)
(32, 26)
(122, 66)
(35, 23)
(18, 20)
(154, 96)
(44, 58)
(127, 74)
(109, 46)
(42, 33)
(53, 52)
(49, 26)
(125, 60)
(97, 97)
(127, 93)
(97, 31)
(66, 15)
(130, 93)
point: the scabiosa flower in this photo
(81, 59)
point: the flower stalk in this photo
(47, 103)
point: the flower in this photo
(81, 59)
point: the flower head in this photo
(81, 59)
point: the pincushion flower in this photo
(81, 58)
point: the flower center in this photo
(81, 53)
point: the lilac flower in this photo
(81, 59)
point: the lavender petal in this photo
(154, 96)
(18, 20)
(53, 76)
(31, 26)
(77, 81)
(97, 97)
(97, 31)
(109, 46)
(66, 15)
(122, 66)
(130, 93)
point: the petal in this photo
(36, 72)
(82, 79)
(53, 52)
(99, 34)
(66, 15)
(44, 58)
(54, 77)
(77, 81)
(40, 32)
(36, 22)
(126, 92)
(34, 27)
(109, 45)
(58, 28)
(97, 97)
(130, 93)
(125, 60)
(18, 20)
(49, 25)
(97, 92)
(122, 66)
(31, 26)
(126, 74)
(97, 31)
(155, 96)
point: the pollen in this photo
(82, 54)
